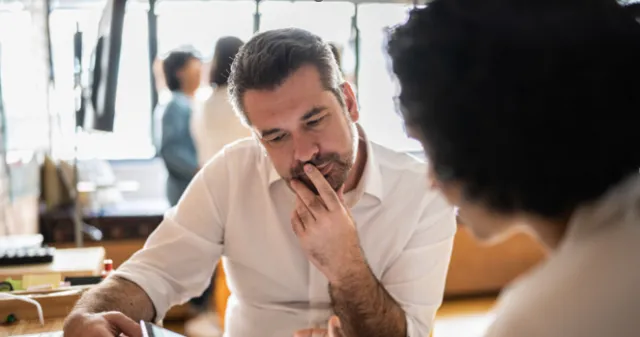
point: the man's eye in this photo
(277, 139)
(315, 122)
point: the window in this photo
(24, 86)
(329, 20)
(198, 25)
(377, 87)
(132, 129)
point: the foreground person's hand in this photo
(333, 330)
(324, 226)
(107, 324)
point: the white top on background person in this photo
(216, 124)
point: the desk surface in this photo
(455, 318)
(32, 327)
(68, 262)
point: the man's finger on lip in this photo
(316, 177)
(324, 168)
(327, 193)
(308, 198)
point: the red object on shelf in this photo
(108, 267)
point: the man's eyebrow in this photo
(269, 132)
(314, 111)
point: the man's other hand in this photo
(107, 324)
(333, 330)
(325, 228)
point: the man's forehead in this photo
(300, 84)
(263, 110)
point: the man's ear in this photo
(350, 101)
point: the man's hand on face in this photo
(333, 330)
(325, 228)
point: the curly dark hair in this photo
(529, 105)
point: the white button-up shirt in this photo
(239, 208)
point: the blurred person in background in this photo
(214, 126)
(217, 124)
(182, 72)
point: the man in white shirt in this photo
(310, 218)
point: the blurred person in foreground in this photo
(528, 113)
(310, 217)
(214, 126)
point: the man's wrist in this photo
(354, 271)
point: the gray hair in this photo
(269, 58)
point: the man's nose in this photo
(305, 148)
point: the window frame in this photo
(152, 41)
(150, 152)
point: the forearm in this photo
(117, 294)
(365, 308)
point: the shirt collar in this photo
(370, 183)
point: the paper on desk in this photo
(41, 281)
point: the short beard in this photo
(341, 166)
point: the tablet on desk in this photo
(151, 330)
